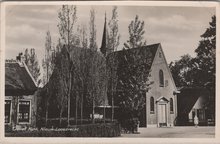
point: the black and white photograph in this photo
(108, 70)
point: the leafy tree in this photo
(67, 19)
(47, 62)
(133, 80)
(136, 32)
(133, 71)
(30, 59)
(83, 36)
(199, 71)
(206, 56)
(206, 62)
(112, 60)
(97, 87)
(113, 35)
(92, 38)
(48, 65)
(182, 71)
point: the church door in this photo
(162, 115)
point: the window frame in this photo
(171, 106)
(152, 105)
(9, 111)
(161, 78)
(29, 121)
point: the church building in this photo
(160, 100)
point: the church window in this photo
(161, 77)
(152, 105)
(171, 105)
(160, 55)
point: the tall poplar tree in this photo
(92, 26)
(112, 60)
(47, 67)
(67, 19)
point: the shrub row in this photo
(92, 130)
(56, 123)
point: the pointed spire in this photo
(103, 48)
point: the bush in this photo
(92, 130)
(130, 125)
(8, 128)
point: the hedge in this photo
(92, 130)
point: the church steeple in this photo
(103, 48)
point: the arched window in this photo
(152, 105)
(171, 105)
(161, 77)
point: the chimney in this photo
(20, 59)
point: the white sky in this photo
(178, 29)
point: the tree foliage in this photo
(83, 37)
(133, 71)
(47, 62)
(198, 71)
(88, 82)
(206, 56)
(92, 36)
(30, 59)
(182, 71)
(113, 35)
(112, 60)
(67, 18)
(136, 34)
(133, 80)
(201, 70)
(78, 81)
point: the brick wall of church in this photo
(157, 91)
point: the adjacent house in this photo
(20, 101)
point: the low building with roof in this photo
(194, 101)
(20, 99)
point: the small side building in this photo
(20, 99)
(193, 101)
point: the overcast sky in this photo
(178, 29)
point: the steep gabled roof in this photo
(18, 80)
(152, 49)
(130, 63)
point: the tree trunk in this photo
(46, 117)
(68, 116)
(76, 110)
(69, 92)
(70, 68)
(93, 110)
(112, 106)
(60, 118)
(104, 114)
(81, 109)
